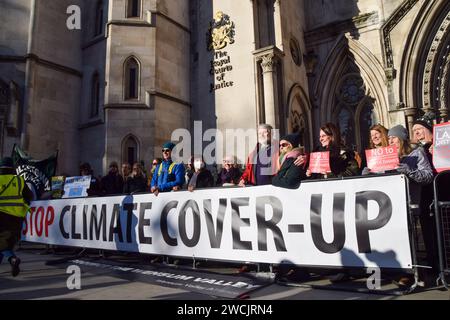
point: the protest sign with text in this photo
(382, 159)
(319, 162)
(441, 146)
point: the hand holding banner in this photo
(319, 162)
(382, 159)
(441, 146)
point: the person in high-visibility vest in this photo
(15, 198)
(168, 176)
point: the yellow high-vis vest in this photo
(11, 199)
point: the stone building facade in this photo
(139, 69)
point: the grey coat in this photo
(417, 167)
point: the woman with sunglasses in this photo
(289, 175)
(342, 160)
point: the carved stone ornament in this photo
(221, 32)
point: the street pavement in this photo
(39, 281)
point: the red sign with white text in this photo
(441, 146)
(382, 159)
(319, 162)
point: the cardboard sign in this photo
(441, 146)
(382, 159)
(319, 162)
(76, 187)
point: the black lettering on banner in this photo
(98, 225)
(338, 223)
(363, 224)
(144, 222)
(115, 220)
(237, 222)
(85, 209)
(264, 225)
(215, 235)
(75, 235)
(61, 222)
(129, 208)
(190, 243)
(164, 226)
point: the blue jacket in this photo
(165, 181)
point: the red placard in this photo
(441, 146)
(319, 162)
(382, 159)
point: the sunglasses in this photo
(166, 150)
(283, 145)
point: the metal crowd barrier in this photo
(442, 215)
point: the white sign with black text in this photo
(352, 222)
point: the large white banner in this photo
(356, 222)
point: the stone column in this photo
(268, 65)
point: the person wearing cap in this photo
(168, 176)
(290, 175)
(15, 198)
(112, 183)
(415, 165)
(423, 135)
(413, 162)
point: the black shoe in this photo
(15, 262)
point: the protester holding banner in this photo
(341, 162)
(112, 183)
(415, 165)
(262, 163)
(15, 198)
(169, 176)
(136, 182)
(95, 188)
(290, 175)
(126, 171)
(202, 177)
(378, 138)
(423, 134)
(230, 174)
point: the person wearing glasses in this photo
(168, 176)
(155, 163)
(230, 174)
(290, 175)
(342, 160)
(262, 163)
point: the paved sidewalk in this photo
(39, 281)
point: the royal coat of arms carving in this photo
(221, 32)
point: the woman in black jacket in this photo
(289, 175)
(342, 160)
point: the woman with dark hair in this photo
(342, 160)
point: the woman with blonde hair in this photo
(378, 137)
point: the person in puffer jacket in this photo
(289, 175)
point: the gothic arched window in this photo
(130, 150)
(132, 77)
(354, 112)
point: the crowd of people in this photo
(284, 164)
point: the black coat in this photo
(135, 185)
(289, 176)
(342, 163)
